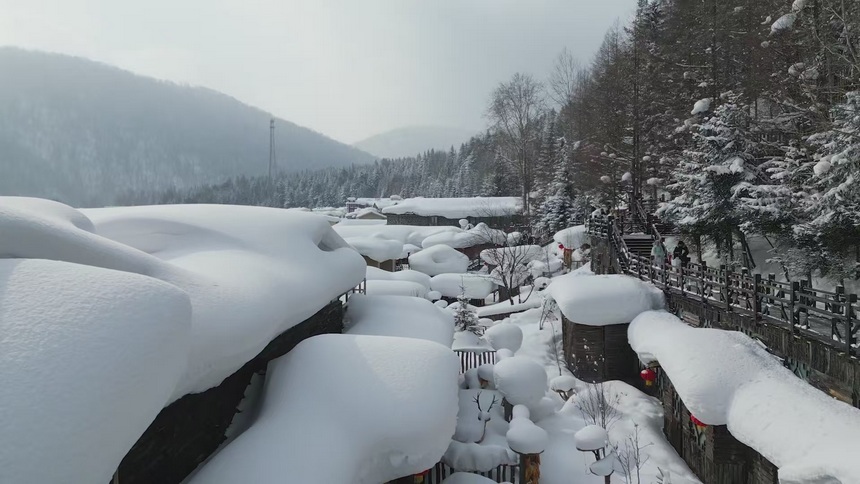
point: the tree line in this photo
(741, 117)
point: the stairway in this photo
(639, 244)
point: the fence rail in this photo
(827, 316)
(474, 359)
(502, 473)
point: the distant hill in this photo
(410, 141)
(83, 132)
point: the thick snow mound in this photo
(527, 438)
(405, 234)
(251, 273)
(457, 208)
(407, 317)
(573, 237)
(521, 380)
(381, 287)
(701, 106)
(591, 437)
(376, 274)
(726, 378)
(474, 286)
(479, 235)
(383, 407)
(603, 300)
(376, 248)
(439, 259)
(504, 336)
(88, 357)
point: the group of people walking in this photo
(659, 255)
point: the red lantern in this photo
(698, 423)
(419, 478)
(649, 376)
(561, 246)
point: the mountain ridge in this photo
(412, 140)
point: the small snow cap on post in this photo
(527, 438)
(605, 466)
(563, 385)
(591, 438)
(520, 380)
(504, 336)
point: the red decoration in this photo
(419, 478)
(561, 246)
(698, 423)
(649, 376)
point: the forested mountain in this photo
(742, 117)
(83, 132)
(405, 142)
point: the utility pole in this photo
(271, 148)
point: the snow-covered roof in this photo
(402, 316)
(380, 407)
(250, 272)
(405, 234)
(88, 357)
(603, 300)
(379, 202)
(376, 248)
(457, 208)
(376, 274)
(439, 259)
(395, 287)
(480, 234)
(726, 378)
(474, 286)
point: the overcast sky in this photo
(346, 68)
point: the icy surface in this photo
(398, 418)
(474, 286)
(88, 357)
(402, 316)
(573, 237)
(726, 378)
(457, 208)
(603, 300)
(439, 259)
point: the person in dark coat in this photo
(682, 253)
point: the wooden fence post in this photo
(703, 267)
(726, 282)
(849, 314)
(757, 297)
(792, 302)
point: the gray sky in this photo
(346, 68)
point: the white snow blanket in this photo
(88, 357)
(405, 234)
(726, 378)
(395, 287)
(474, 286)
(508, 256)
(250, 272)
(457, 208)
(376, 248)
(603, 300)
(572, 237)
(439, 259)
(402, 316)
(382, 407)
(377, 274)
(467, 478)
(480, 234)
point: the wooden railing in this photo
(827, 316)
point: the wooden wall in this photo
(190, 429)
(599, 353)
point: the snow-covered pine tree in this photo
(557, 210)
(464, 318)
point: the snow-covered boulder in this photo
(398, 418)
(439, 259)
(88, 357)
(474, 286)
(521, 380)
(604, 299)
(402, 316)
(727, 378)
(504, 335)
